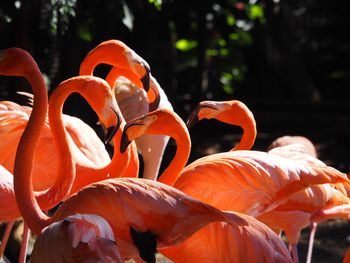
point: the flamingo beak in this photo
(146, 78)
(112, 130)
(194, 116)
(125, 140)
(155, 103)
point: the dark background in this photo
(289, 61)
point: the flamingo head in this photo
(103, 102)
(161, 121)
(100, 97)
(16, 62)
(117, 54)
(207, 110)
(233, 112)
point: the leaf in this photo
(84, 33)
(230, 20)
(185, 44)
(156, 3)
(255, 11)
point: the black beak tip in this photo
(111, 131)
(124, 142)
(154, 105)
(146, 79)
(192, 119)
(146, 242)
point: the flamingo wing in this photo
(223, 242)
(250, 181)
(143, 207)
(8, 206)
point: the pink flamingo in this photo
(294, 148)
(16, 62)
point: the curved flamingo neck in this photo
(240, 115)
(178, 131)
(102, 55)
(248, 137)
(24, 161)
(66, 168)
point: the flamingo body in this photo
(222, 242)
(264, 179)
(9, 211)
(144, 205)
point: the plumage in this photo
(17, 62)
(291, 213)
(89, 149)
(222, 242)
(144, 205)
(346, 258)
(311, 206)
(264, 179)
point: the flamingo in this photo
(227, 180)
(139, 211)
(127, 93)
(125, 62)
(233, 112)
(27, 68)
(311, 206)
(17, 62)
(298, 148)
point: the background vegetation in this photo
(199, 49)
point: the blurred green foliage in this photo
(208, 37)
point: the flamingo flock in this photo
(225, 207)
